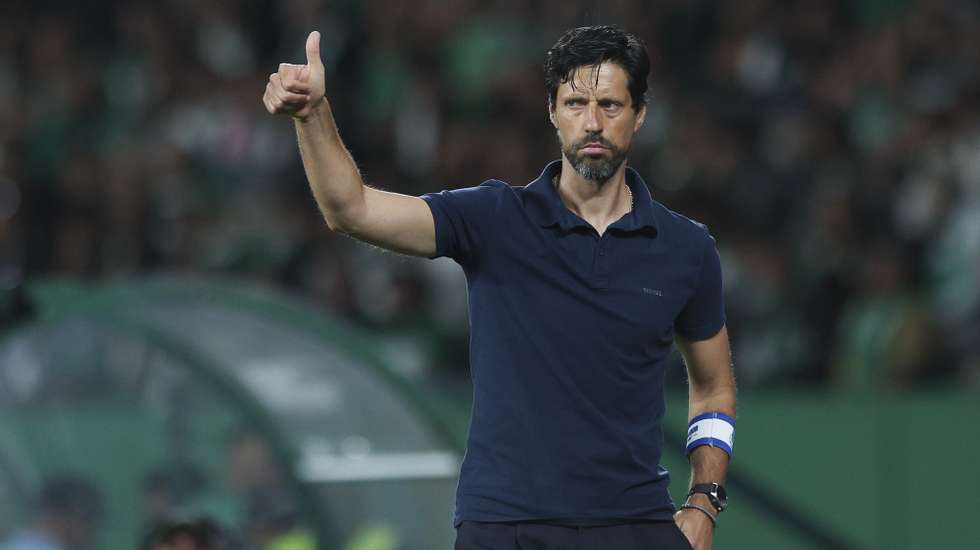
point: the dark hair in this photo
(591, 46)
(203, 531)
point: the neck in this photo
(598, 204)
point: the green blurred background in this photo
(181, 330)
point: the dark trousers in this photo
(657, 535)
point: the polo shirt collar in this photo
(546, 208)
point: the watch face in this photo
(722, 495)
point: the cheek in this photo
(563, 130)
(625, 130)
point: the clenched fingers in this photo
(288, 81)
(287, 97)
(296, 86)
(289, 71)
(279, 100)
(265, 101)
(295, 78)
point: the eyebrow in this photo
(601, 99)
(577, 91)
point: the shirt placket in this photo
(600, 263)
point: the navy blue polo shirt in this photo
(569, 335)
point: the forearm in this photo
(710, 464)
(333, 176)
(716, 395)
(711, 390)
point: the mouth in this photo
(593, 148)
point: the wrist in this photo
(714, 493)
(696, 510)
(701, 500)
(312, 112)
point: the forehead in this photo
(609, 80)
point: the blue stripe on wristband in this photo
(720, 415)
(710, 441)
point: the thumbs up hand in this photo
(297, 89)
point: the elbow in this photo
(337, 226)
(342, 216)
(333, 223)
(339, 221)
(345, 218)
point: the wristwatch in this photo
(716, 494)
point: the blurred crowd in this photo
(833, 148)
(181, 508)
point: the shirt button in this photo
(602, 252)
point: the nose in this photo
(593, 118)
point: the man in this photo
(577, 283)
(67, 512)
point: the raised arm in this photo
(402, 223)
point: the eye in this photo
(610, 105)
(574, 102)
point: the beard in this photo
(598, 169)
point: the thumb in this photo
(313, 50)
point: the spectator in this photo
(197, 534)
(66, 516)
(803, 131)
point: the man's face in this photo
(595, 119)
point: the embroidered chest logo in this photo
(653, 291)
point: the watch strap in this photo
(711, 490)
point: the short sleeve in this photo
(461, 217)
(704, 314)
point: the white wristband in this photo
(714, 428)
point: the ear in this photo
(551, 114)
(640, 117)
